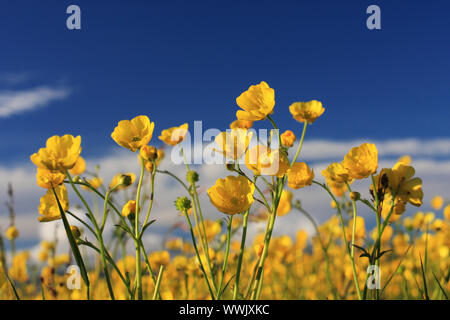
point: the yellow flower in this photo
(336, 173)
(158, 259)
(212, 228)
(288, 138)
(174, 135)
(232, 195)
(405, 159)
(129, 208)
(95, 182)
(59, 260)
(127, 178)
(233, 143)
(75, 231)
(59, 154)
(18, 270)
(386, 236)
(437, 202)
(401, 182)
(148, 153)
(79, 167)
(12, 233)
(300, 175)
(263, 160)
(284, 207)
(399, 207)
(133, 134)
(361, 161)
(48, 207)
(174, 244)
(241, 124)
(257, 102)
(306, 111)
(48, 179)
(360, 230)
(338, 189)
(447, 212)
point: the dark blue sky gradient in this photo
(180, 61)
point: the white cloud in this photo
(328, 149)
(18, 101)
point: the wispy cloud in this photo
(19, 101)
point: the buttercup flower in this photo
(361, 161)
(263, 160)
(401, 182)
(79, 167)
(125, 179)
(129, 209)
(48, 207)
(48, 179)
(300, 175)
(133, 134)
(306, 111)
(148, 153)
(174, 135)
(241, 124)
(285, 206)
(336, 173)
(59, 154)
(233, 143)
(437, 202)
(232, 195)
(257, 102)
(12, 233)
(18, 269)
(95, 182)
(447, 212)
(288, 138)
(399, 207)
(338, 189)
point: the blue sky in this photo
(180, 61)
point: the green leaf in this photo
(425, 289)
(440, 286)
(72, 242)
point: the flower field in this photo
(400, 258)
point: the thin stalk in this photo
(241, 255)
(225, 261)
(158, 282)
(355, 278)
(197, 253)
(137, 234)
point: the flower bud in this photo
(230, 167)
(12, 233)
(75, 231)
(192, 177)
(355, 195)
(125, 180)
(183, 204)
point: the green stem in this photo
(137, 234)
(355, 277)
(300, 143)
(158, 282)
(225, 261)
(241, 255)
(198, 254)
